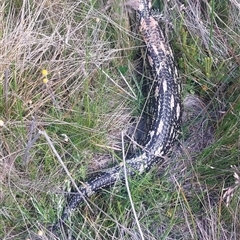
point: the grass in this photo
(90, 97)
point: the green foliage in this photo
(86, 103)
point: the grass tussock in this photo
(67, 90)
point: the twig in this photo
(63, 165)
(31, 140)
(128, 189)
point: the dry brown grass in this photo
(88, 51)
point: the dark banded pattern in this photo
(163, 110)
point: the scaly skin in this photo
(163, 110)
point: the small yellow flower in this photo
(170, 212)
(205, 88)
(44, 72)
(45, 80)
